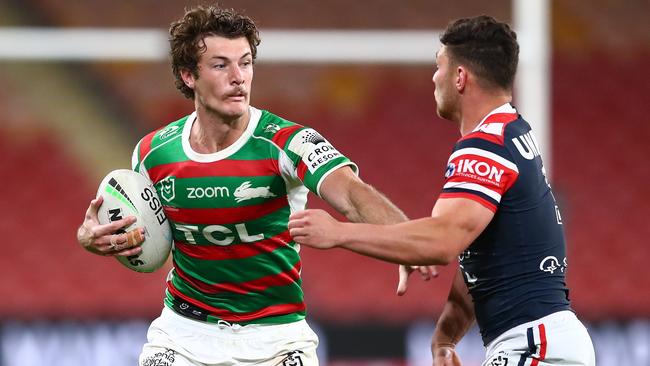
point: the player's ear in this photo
(461, 78)
(188, 77)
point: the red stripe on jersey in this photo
(477, 169)
(230, 316)
(281, 137)
(226, 215)
(504, 118)
(542, 346)
(489, 205)
(501, 118)
(145, 144)
(235, 251)
(243, 288)
(221, 168)
(302, 170)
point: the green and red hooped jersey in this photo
(233, 257)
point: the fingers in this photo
(91, 212)
(427, 272)
(402, 285)
(121, 244)
(107, 229)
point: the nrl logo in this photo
(166, 188)
(246, 192)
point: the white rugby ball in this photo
(128, 193)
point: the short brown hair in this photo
(186, 38)
(489, 48)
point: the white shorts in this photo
(174, 340)
(556, 339)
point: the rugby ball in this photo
(128, 193)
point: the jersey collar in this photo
(506, 108)
(255, 115)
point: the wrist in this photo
(442, 347)
(345, 234)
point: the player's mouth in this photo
(237, 96)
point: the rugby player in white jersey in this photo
(496, 213)
(229, 175)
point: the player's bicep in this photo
(465, 219)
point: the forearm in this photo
(426, 241)
(456, 318)
(368, 205)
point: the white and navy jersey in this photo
(515, 270)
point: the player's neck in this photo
(211, 132)
(475, 109)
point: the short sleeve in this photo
(313, 158)
(479, 171)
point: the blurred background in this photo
(65, 124)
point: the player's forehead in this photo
(225, 48)
(441, 54)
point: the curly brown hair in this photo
(186, 38)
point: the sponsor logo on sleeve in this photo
(451, 168)
(475, 169)
(314, 150)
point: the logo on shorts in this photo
(166, 358)
(499, 360)
(293, 359)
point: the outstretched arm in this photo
(455, 223)
(456, 319)
(360, 202)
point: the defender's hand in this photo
(427, 273)
(315, 228)
(446, 356)
(104, 239)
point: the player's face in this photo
(225, 72)
(445, 93)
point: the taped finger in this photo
(134, 237)
(113, 242)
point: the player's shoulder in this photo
(161, 135)
(277, 129)
(495, 129)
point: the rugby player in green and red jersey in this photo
(229, 175)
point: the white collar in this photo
(505, 108)
(255, 115)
